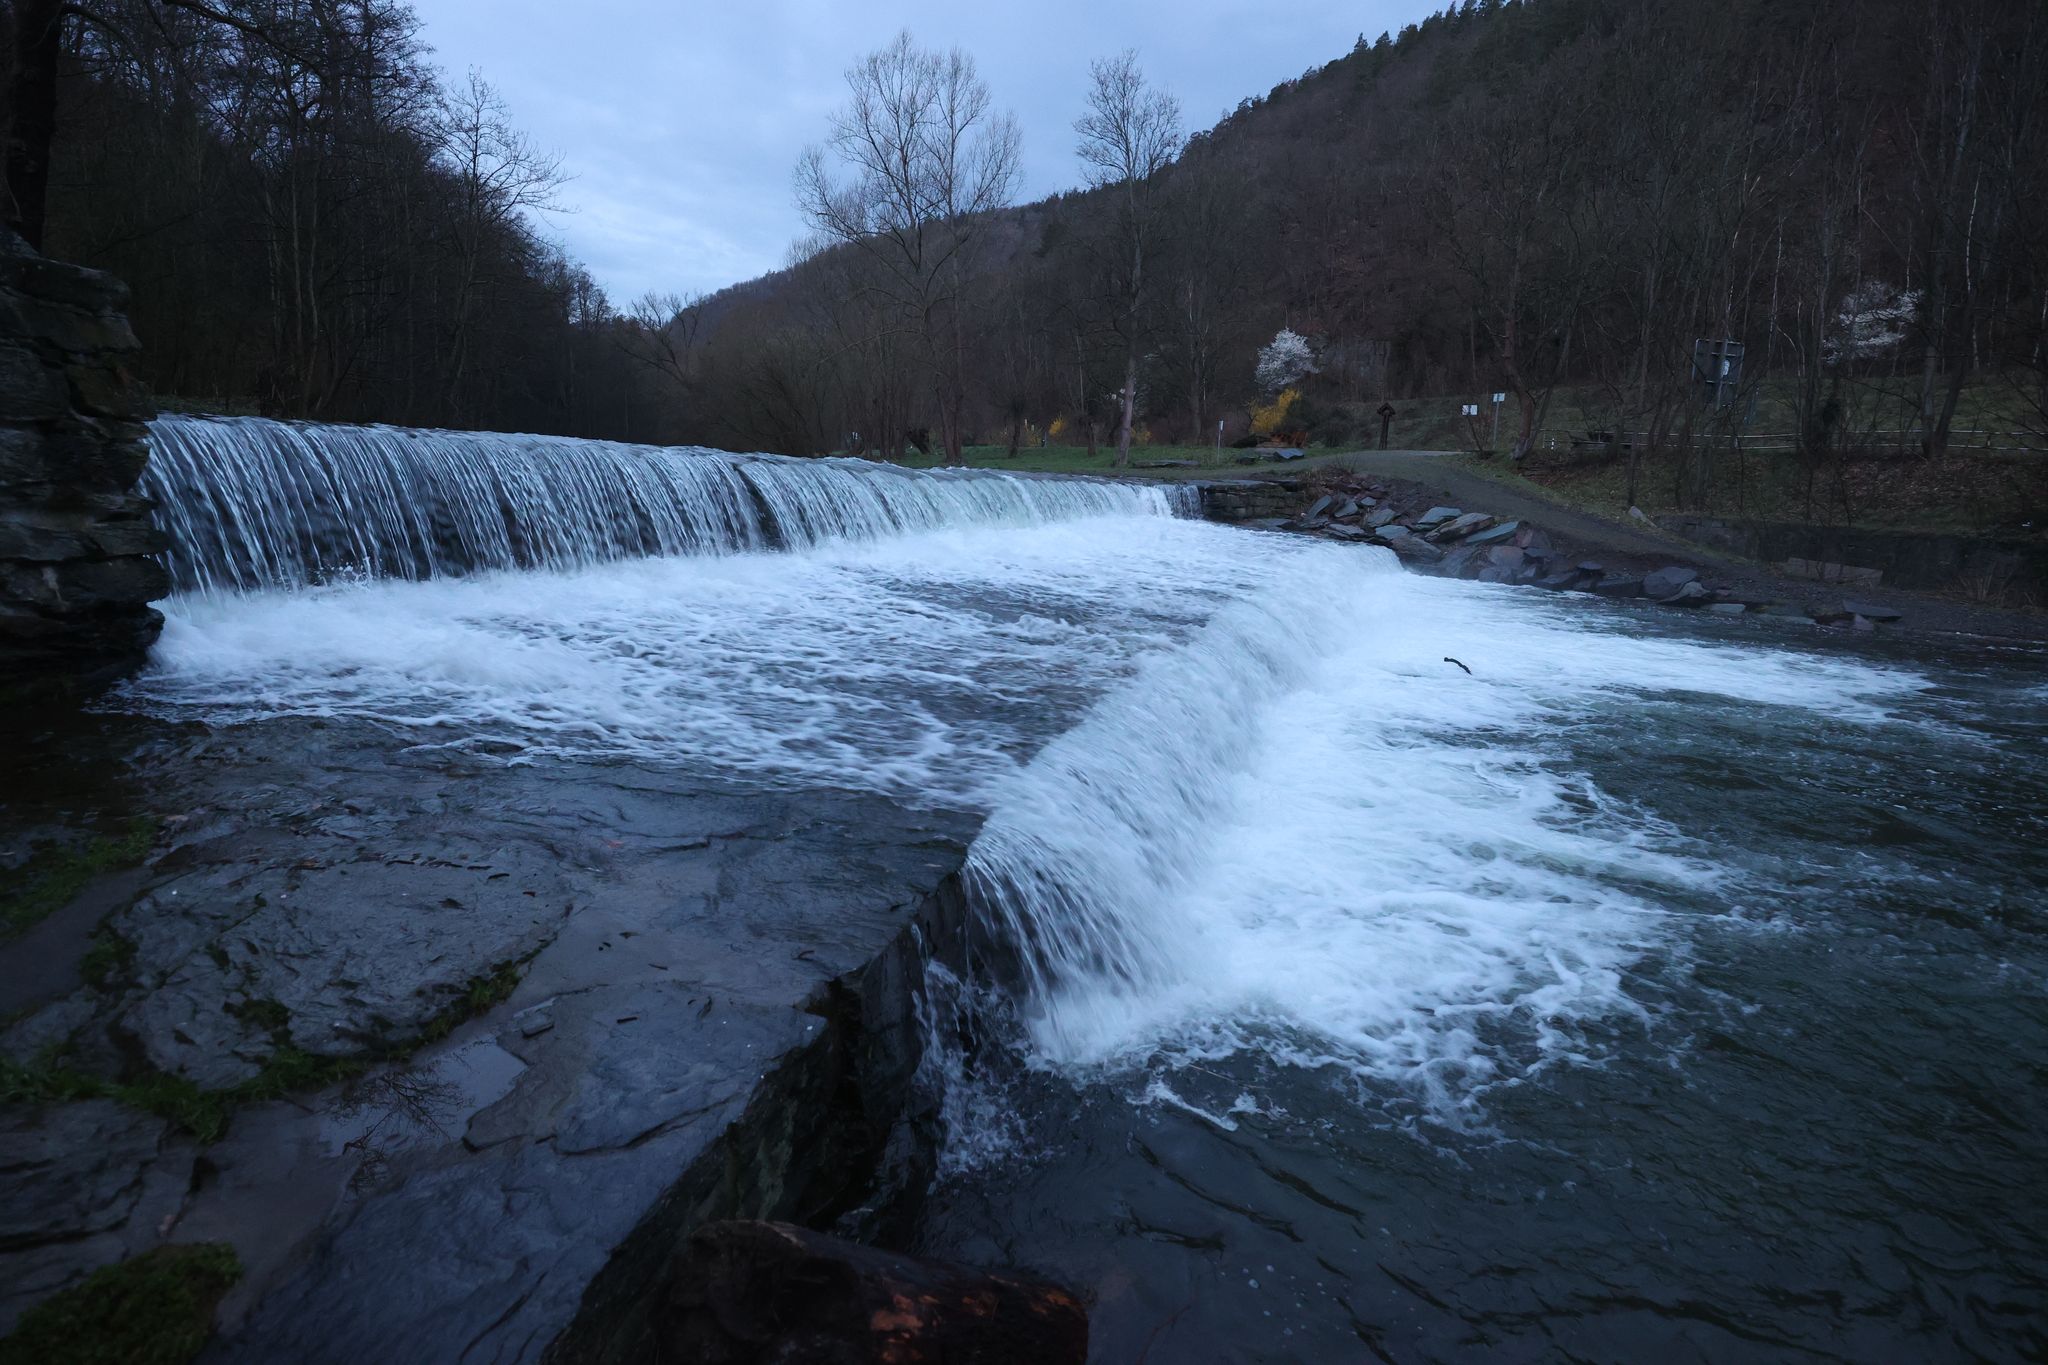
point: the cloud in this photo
(681, 121)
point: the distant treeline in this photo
(311, 220)
(1507, 196)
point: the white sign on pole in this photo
(1500, 398)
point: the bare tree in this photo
(922, 160)
(1129, 134)
(499, 177)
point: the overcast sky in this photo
(681, 120)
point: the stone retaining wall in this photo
(77, 547)
(1235, 500)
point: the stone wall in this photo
(1235, 500)
(77, 547)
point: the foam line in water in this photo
(249, 503)
(1304, 835)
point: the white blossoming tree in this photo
(1874, 318)
(1285, 361)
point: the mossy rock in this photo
(153, 1309)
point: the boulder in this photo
(1318, 507)
(1727, 608)
(1591, 566)
(750, 1293)
(1346, 510)
(1390, 534)
(1872, 611)
(1462, 526)
(1688, 595)
(1343, 532)
(1532, 538)
(1379, 517)
(1497, 534)
(1459, 562)
(1436, 516)
(1507, 558)
(1619, 587)
(1415, 548)
(1664, 583)
(1557, 582)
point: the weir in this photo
(250, 503)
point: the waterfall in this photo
(250, 503)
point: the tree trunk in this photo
(32, 122)
(1129, 404)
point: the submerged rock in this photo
(748, 1293)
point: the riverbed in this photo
(1359, 966)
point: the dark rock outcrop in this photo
(77, 571)
(747, 1293)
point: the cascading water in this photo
(251, 503)
(1647, 922)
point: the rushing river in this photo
(1660, 987)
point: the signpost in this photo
(1470, 412)
(1498, 399)
(1386, 418)
(1717, 363)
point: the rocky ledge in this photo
(456, 1056)
(1454, 542)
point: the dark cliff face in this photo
(77, 546)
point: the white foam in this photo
(1239, 802)
(1306, 834)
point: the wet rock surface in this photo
(572, 984)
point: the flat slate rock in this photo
(1463, 525)
(1872, 611)
(1666, 582)
(1495, 534)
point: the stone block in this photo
(30, 391)
(77, 331)
(75, 286)
(108, 390)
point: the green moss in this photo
(107, 962)
(54, 874)
(154, 1309)
(287, 1071)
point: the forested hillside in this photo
(1508, 196)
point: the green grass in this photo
(54, 874)
(152, 1309)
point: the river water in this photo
(1636, 985)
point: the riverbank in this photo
(1413, 483)
(453, 1055)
